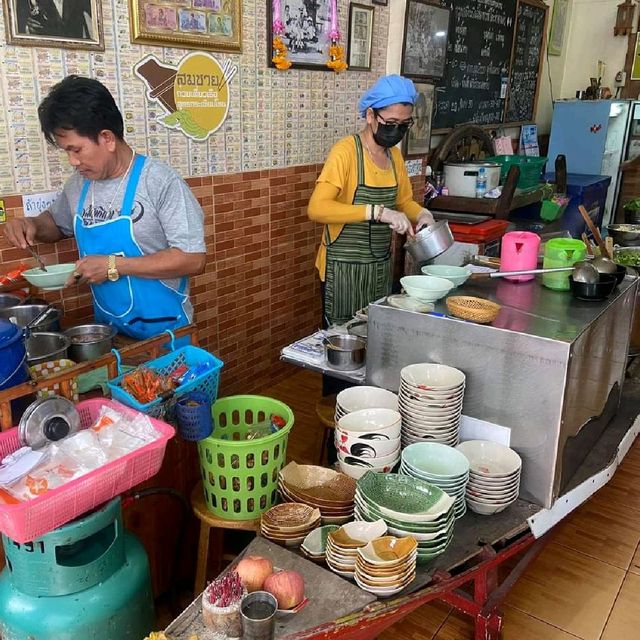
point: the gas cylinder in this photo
(87, 580)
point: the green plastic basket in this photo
(240, 477)
(530, 168)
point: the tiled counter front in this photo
(259, 290)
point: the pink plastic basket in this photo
(28, 520)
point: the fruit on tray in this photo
(287, 587)
(253, 571)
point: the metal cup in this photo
(258, 612)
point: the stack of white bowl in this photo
(440, 465)
(364, 397)
(342, 545)
(368, 439)
(430, 402)
(494, 478)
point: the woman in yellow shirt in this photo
(363, 194)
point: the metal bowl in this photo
(90, 341)
(9, 300)
(430, 242)
(344, 352)
(45, 346)
(625, 235)
(22, 315)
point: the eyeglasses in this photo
(405, 124)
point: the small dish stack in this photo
(442, 466)
(368, 439)
(494, 478)
(386, 565)
(411, 508)
(430, 402)
(314, 546)
(289, 524)
(328, 490)
(363, 397)
(343, 545)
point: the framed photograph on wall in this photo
(418, 138)
(213, 25)
(307, 24)
(424, 49)
(382, 3)
(360, 37)
(558, 22)
(69, 24)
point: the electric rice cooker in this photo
(460, 177)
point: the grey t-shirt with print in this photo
(165, 214)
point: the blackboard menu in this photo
(525, 65)
(478, 57)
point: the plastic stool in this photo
(325, 410)
(210, 521)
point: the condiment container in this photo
(519, 252)
(561, 252)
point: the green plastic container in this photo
(561, 252)
(530, 169)
(240, 476)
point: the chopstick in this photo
(594, 232)
(33, 252)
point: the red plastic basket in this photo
(28, 520)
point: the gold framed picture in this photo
(68, 24)
(215, 25)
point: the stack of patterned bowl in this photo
(368, 439)
(363, 397)
(343, 545)
(386, 565)
(289, 524)
(410, 507)
(430, 402)
(325, 489)
(314, 546)
(441, 465)
(494, 479)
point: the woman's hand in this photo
(425, 219)
(397, 221)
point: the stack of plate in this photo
(430, 402)
(494, 479)
(410, 507)
(368, 439)
(314, 546)
(343, 545)
(440, 465)
(387, 565)
(289, 524)
(328, 490)
(356, 398)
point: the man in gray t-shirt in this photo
(139, 229)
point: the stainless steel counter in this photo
(550, 368)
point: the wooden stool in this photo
(325, 410)
(210, 521)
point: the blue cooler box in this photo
(585, 190)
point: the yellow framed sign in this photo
(214, 25)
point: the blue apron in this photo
(138, 307)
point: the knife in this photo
(37, 257)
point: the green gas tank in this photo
(561, 252)
(87, 580)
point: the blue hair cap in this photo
(388, 90)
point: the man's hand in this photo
(20, 232)
(91, 269)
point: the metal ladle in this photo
(583, 271)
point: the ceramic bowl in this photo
(318, 484)
(442, 522)
(437, 460)
(374, 463)
(426, 288)
(365, 447)
(391, 571)
(365, 397)
(391, 580)
(336, 508)
(339, 520)
(432, 376)
(423, 393)
(371, 421)
(485, 509)
(457, 275)
(290, 516)
(52, 279)
(482, 484)
(356, 534)
(384, 591)
(388, 550)
(490, 458)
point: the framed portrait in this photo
(360, 37)
(424, 49)
(69, 24)
(213, 25)
(307, 24)
(382, 3)
(418, 139)
(558, 22)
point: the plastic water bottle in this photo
(481, 183)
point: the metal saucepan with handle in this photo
(345, 352)
(430, 242)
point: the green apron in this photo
(359, 259)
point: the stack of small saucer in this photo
(289, 524)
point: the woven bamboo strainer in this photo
(474, 309)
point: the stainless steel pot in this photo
(90, 341)
(429, 242)
(625, 235)
(45, 346)
(9, 300)
(358, 328)
(345, 352)
(24, 314)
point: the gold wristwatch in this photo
(112, 270)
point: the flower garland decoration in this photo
(336, 50)
(280, 50)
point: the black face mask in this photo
(388, 135)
